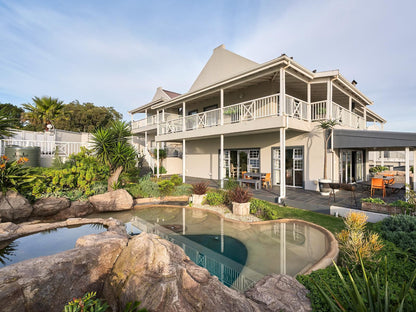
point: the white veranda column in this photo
(407, 168)
(157, 160)
(414, 169)
(329, 98)
(222, 160)
(183, 116)
(282, 164)
(222, 106)
(282, 99)
(183, 161)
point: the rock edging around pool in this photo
(145, 268)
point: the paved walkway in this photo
(311, 200)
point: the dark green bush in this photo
(216, 198)
(175, 179)
(373, 200)
(377, 169)
(184, 189)
(401, 230)
(231, 183)
(263, 210)
(399, 267)
(144, 188)
(166, 187)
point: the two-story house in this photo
(241, 116)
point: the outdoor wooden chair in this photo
(378, 183)
(266, 181)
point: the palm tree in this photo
(44, 111)
(327, 126)
(112, 148)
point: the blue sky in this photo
(116, 53)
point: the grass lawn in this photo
(333, 224)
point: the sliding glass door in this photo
(351, 166)
(241, 160)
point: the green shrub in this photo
(86, 303)
(231, 183)
(401, 230)
(162, 170)
(131, 175)
(373, 200)
(99, 187)
(166, 187)
(133, 189)
(184, 189)
(216, 198)
(148, 188)
(377, 169)
(175, 179)
(263, 209)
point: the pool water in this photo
(44, 243)
(238, 253)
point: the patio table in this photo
(256, 182)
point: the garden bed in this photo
(381, 208)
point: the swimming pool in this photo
(238, 253)
(44, 243)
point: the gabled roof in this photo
(221, 65)
(161, 95)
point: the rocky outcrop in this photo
(48, 283)
(279, 292)
(112, 201)
(160, 275)
(50, 206)
(78, 208)
(14, 207)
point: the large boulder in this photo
(14, 207)
(77, 209)
(50, 206)
(279, 292)
(48, 283)
(112, 201)
(160, 275)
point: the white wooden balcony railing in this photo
(236, 113)
(47, 148)
(320, 111)
(257, 108)
(152, 120)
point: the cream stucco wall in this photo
(202, 155)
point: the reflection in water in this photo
(290, 248)
(45, 243)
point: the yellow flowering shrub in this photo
(356, 241)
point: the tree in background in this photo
(13, 114)
(86, 117)
(6, 125)
(45, 110)
(111, 147)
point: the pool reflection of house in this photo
(243, 116)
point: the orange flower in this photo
(4, 157)
(25, 159)
(2, 166)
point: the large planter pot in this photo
(241, 209)
(324, 187)
(198, 199)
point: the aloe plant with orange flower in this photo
(14, 175)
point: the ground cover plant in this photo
(401, 230)
(216, 198)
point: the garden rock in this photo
(77, 209)
(48, 283)
(112, 201)
(49, 206)
(14, 207)
(279, 292)
(160, 275)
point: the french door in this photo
(294, 166)
(351, 166)
(238, 161)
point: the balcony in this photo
(262, 108)
(150, 123)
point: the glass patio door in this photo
(294, 166)
(351, 166)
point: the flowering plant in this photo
(13, 175)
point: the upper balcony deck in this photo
(242, 116)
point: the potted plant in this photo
(199, 191)
(240, 198)
(327, 126)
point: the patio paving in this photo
(311, 200)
